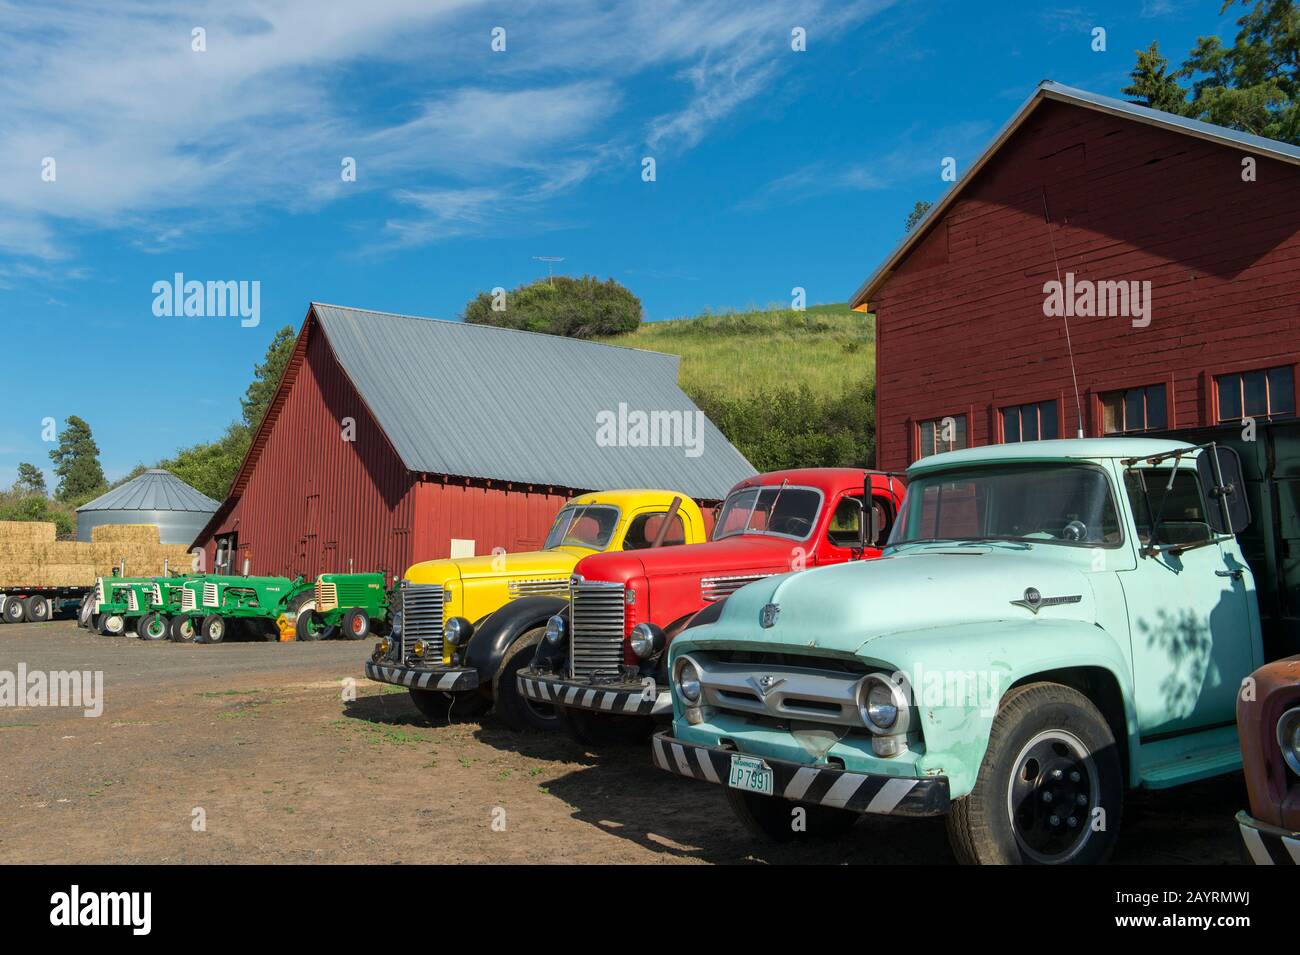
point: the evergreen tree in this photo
(76, 462)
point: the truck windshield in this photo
(1038, 503)
(775, 511)
(584, 525)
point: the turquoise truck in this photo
(1051, 624)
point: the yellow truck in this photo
(462, 627)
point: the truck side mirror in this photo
(873, 522)
(1219, 470)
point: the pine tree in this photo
(76, 462)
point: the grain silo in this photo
(155, 497)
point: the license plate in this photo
(751, 775)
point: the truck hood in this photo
(557, 562)
(847, 607)
(733, 555)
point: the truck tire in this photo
(36, 609)
(770, 817)
(212, 629)
(14, 611)
(112, 624)
(152, 627)
(510, 706)
(604, 729)
(181, 629)
(1051, 766)
(355, 625)
(439, 707)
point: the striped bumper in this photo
(1268, 845)
(444, 679)
(856, 792)
(547, 688)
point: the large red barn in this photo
(393, 439)
(1093, 192)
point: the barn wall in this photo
(314, 500)
(490, 517)
(961, 328)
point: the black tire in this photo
(1051, 764)
(181, 629)
(780, 820)
(36, 609)
(307, 626)
(604, 729)
(510, 706)
(152, 627)
(213, 629)
(86, 611)
(303, 603)
(355, 624)
(112, 624)
(14, 611)
(438, 707)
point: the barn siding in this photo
(960, 322)
(516, 519)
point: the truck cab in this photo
(462, 623)
(604, 663)
(1050, 624)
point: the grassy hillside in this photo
(828, 347)
(787, 388)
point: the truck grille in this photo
(188, 601)
(210, 596)
(713, 589)
(558, 587)
(327, 596)
(597, 639)
(422, 620)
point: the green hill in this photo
(787, 388)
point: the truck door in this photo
(1189, 612)
(844, 533)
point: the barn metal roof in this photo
(1050, 90)
(154, 490)
(485, 402)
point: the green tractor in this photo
(212, 605)
(164, 603)
(354, 606)
(116, 605)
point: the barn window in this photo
(1265, 393)
(1134, 409)
(942, 434)
(1030, 422)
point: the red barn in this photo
(393, 439)
(1176, 246)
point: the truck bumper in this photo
(627, 700)
(823, 786)
(1268, 845)
(446, 679)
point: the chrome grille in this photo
(557, 587)
(716, 588)
(210, 595)
(327, 596)
(596, 643)
(188, 599)
(422, 620)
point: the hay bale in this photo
(34, 532)
(125, 533)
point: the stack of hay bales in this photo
(31, 557)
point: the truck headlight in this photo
(883, 705)
(646, 640)
(1288, 738)
(686, 678)
(395, 628)
(456, 631)
(555, 629)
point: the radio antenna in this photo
(1065, 318)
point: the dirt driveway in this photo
(247, 752)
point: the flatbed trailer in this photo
(36, 604)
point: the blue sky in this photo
(774, 168)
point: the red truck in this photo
(603, 661)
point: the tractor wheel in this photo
(356, 624)
(181, 629)
(152, 627)
(86, 611)
(213, 629)
(308, 625)
(37, 609)
(512, 707)
(14, 611)
(112, 624)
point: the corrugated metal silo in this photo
(155, 497)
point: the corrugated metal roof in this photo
(154, 490)
(487, 402)
(1049, 89)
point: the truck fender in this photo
(489, 642)
(1001, 654)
